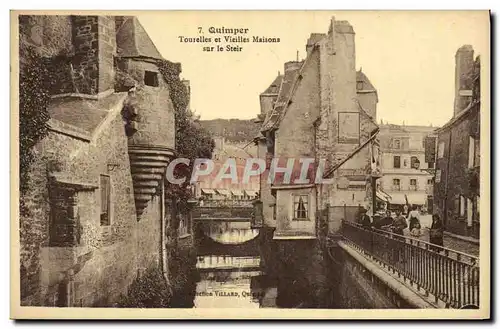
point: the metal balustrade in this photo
(230, 210)
(450, 276)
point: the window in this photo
(397, 161)
(105, 200)
(429, 181)
(478, 206)
(461, 202)
(397, 143)
(477, 148)
(469, 212)
(415, 163)
(151, 78)
(430, 165)
(440, 150)
(472, 149)
(396, 184)
(413, 184)
(359, 85)
(300, 207)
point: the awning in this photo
(251, 192)
(418, 199)
(357, 183)
(383, 196)
(222, 191)
(207, 191)
(237, 192)
(397, 199)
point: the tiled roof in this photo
(133, 41)
(85, 114)
(274, 87)
(469, 109)
(286, 88)
(360, 76)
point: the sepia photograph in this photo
(250, 164)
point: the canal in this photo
(233, 282)
(263, 273)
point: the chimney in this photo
(343, 67)
(464, 63)
(94, 40)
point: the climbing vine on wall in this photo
(191, 139)
(34, 97)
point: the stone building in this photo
(96, 198)
(319, 108)
(407, 177)
(210, 187)
(456, 187)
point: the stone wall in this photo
(268, 200)
(355, 288)
(155, 111)
(107, 258)
(296, 133)
(51, 37)
(79, 50)
(94, 39)
(302, 282)
(456, 174)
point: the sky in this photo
(408, 56)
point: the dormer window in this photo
(151, 78)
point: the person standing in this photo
(436, 232)
(365, 219)
(399, 223)
(387, 219)
(398, 226)
(405, 210)
(414, 218)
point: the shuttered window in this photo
(105, 200)
(397, 161)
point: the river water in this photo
(233, 282)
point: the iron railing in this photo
(450, 276)
(226, 203)
(223, 213)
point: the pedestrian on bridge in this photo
(399, 223)
(414, 218)
(365, 219)
(398, 226)
(436, 232)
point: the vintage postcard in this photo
(250, 164)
